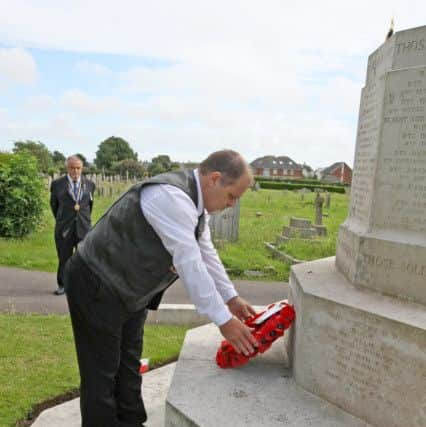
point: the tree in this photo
(161, 164)
(133, 167)
(58, 158)
(38, 150)
(21, 194)
(83, 159)
(113, 149)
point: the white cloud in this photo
(17, 66)
(3, 114)
(92, 68)
(40, 103)
(274, 77)
(179, 29)
(59, 132)
(81, 102)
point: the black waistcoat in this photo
(125, 252)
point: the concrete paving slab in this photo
(155, 386)
(257, 394)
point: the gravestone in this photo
(321, 230)
(255, 186)
(298, 228)
(359, 340)
(319, 201)
(224, 225)
(327, 200)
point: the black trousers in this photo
(108, 341)
(65, 248)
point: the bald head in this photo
(229, 163)
(224, 177)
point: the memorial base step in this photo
(358, 349)
(260, 393)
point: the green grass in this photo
(37, 251)
(276, 208)
(37, 359)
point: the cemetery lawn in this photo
(38, 361)
(37, 251)
(276, 207)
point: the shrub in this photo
(21, 194)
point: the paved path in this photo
(25, 291)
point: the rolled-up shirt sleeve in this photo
(173, 216)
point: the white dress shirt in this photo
(173, 216)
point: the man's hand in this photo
(240, 308)
(239, 335)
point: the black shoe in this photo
(59, 291)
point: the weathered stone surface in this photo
(276, 253)
(320, 230)
(257, 394)
(382, 244)
(300, 222)
(357, 349)
(302, 233)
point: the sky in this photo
(186, 78)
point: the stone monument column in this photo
(359, 340)
(382, 244)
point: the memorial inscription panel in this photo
(362, 366)
(400, 202)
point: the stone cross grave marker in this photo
(319, 201)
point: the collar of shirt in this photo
(72, 182)
(200, 207)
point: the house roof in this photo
(275, 162)
(333, 167)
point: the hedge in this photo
(21, 194)
(291, 186)
(293, 181)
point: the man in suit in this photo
(71, 200)
(154, 233)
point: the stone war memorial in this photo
(359, 341)
(356, 354)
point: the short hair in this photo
(73, 157)
(229, 163)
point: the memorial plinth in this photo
(359, 340)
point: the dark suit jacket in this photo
(68, 220)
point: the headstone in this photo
(224, 225)
(319, 201)
(255, 186)
(359, 340)
(327, 200)
(298, 228)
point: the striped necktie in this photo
(75, 190)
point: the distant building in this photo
(338, 172)
(307, 171)
(276, 166)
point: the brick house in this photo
(338, 172)
(276, 166)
